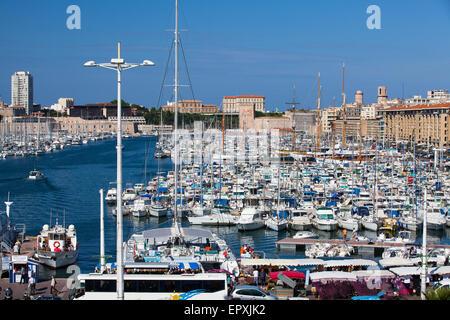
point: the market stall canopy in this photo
(289, 274)
(350, 262)
(282, 262)
(332, 275)
(365, 274)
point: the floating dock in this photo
(376, 247)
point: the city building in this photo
(248, 120)
(63, 105)
(191, 106)
(232, 104)
(302, 120)
(98, 111)
(426, 124)
(22, 90)
(433, 97)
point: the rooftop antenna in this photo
(293, 103)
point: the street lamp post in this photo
(118, 64)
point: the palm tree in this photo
(438, 294)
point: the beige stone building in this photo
(427, 124)
(248, 121)
(192, 106)
(232, 104)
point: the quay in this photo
(377, 246)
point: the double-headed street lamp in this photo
(119, 65)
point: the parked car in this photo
(247, 292)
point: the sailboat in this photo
(277, 222)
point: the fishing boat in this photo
(57, 246)
(250, 219)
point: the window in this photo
(100, 285)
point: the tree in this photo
(438, 294)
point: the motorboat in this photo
(250, 219)
(129, 194)
(369, 223)
(140, 207)
(111, 196)
(435, 219)
(409, 222)
(325, 219)
(299, 220)
(36, 175)
(57, 246)
(157, 209)
(305, 235)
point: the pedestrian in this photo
(255, 276)
(345, 234)
(32, 285)
(16, 249)
(262, 276)
(53, 290)
(22, 275)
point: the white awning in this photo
(350, 262)
(408, 271)
(281, 262)
(332, 275)
(364, 274)
(393, 262)
(441, 270)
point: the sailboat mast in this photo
(318, 115)
(176, 117)
(343, 106)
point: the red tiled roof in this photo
(420, 106)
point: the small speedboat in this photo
(305, 235)
(36, 175)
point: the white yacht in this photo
(218, 217)
(369, 223)
(299, 220)
(140, 207)
(129, 194)
(435, 219)
(111, 196)
(325, 219)
(157, 209)
(250, 219)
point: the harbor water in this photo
(71, 193)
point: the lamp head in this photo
(90, 64)
(148, 63)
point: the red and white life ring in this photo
(56, 244)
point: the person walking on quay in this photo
(53, 290)
(345, 234)
(32, 285)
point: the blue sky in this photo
(232, 47)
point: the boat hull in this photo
(55, 260)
